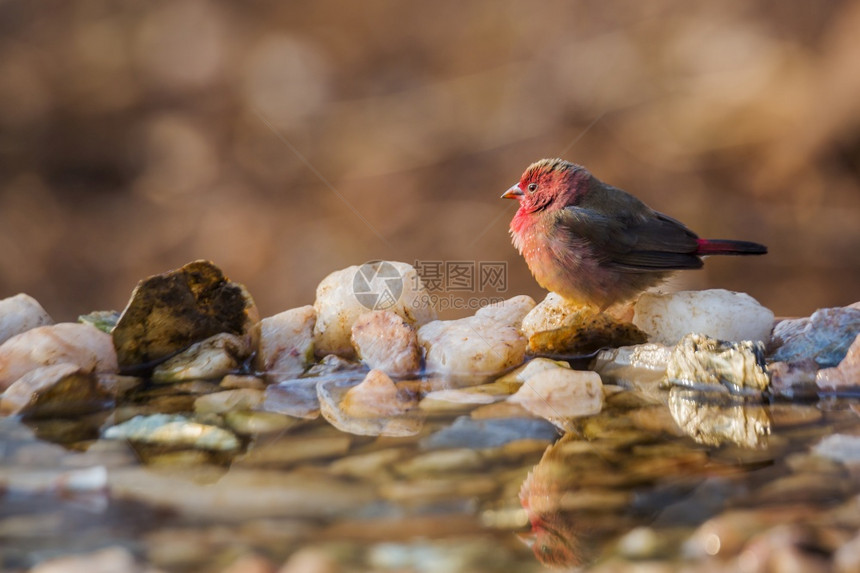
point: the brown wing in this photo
(643, 241)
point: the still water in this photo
(663, 479)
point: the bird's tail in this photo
(722, 247)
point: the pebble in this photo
(794, 380)
(449, 461)
(370, 465)
(376, 396)
(250, 563)
(385, 341)
(667, 318)
(803, 488)
(282, 452)
(310, 560)
(558, 326)
(513, 380)
(470, 395)
(807, 463)
(560, 394)
(847, 557)
(169, 312)
(382, 285)
(432, 490)
(639, 543)
(655, 420)
(500, 410)
(21, 313)
(510, 312)
(450, 402)
(286, 345)
(294, 398)
(841, 447)
(471, 347)
(823, 337)
(87, 347)
(784, 548)
(394, 415)
(464, 555)
(707, 364)
(52, 391)
(331, 364)
(249, 423)
(209, 359)
(466, 432)
(108, 560)
(161, 405)
(117, 385)
(237, 381)
(846, 374)
(228, 401)
(641, 366)
(791, 415)
(727, 533)
(242, 493)
(518, 451)
(179, 458)
(173, 430)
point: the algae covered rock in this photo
(169, 312)
(559, 327)
(714, 419)
(707, 364)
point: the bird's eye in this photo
(532, 187)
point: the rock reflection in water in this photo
(712, 418)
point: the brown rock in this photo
(169, 312)
(558, 327)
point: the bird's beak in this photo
(513, 193)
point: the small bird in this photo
(595, 244)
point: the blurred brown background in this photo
(137, 136)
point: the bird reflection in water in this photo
(584, 493)
(561, 535)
